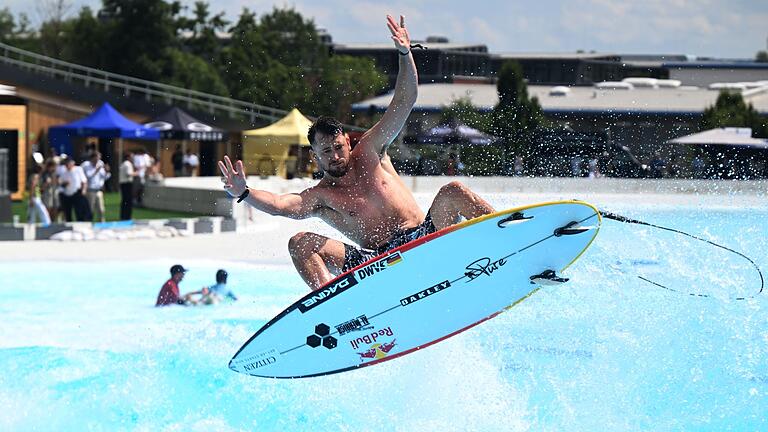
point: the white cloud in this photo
(727, 28)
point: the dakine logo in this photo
(371, 338)
(320, 296)
(425, 293)
(483, 266)
(259, 363)
(355, 324)
(380, 265)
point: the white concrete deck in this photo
(264, 238)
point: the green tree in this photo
(477, 160)
(344, 81)
(7, 25)
(516, 118)
(12, 30)
(82, 40)
(187, 70)
(730, 110)
(203, 39)
(462, 110)
(136, 34)
(292, 40)
(278, 61)
(761, 57)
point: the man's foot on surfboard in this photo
(547, 278)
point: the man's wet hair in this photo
(326, 126)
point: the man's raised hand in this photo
(233, 176)
(399, 34)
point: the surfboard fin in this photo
(515, 217)
(548, 278)
(571, 228)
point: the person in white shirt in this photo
(191, 163)
(141, 162)
(74, 182)
(126, 176)
(97, 173)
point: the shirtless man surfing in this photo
(360, 194)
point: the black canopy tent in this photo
(178, 125)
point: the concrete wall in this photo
(183, 186)
(205, 195)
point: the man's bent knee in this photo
(304, 243)
(454, 188)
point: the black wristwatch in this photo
(244, 195)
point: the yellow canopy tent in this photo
(278, 149)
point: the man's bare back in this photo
(361, 194)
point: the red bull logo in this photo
(377, 351)
(371, 337)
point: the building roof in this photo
(555, 55)
(665, 101)
(741, 137)
(387, 46)
(716, 65)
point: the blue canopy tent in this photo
(105, 122)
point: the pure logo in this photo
(483, 266)
(318, 297)
(425, 293)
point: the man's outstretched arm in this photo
(376, 140)
(295, 206)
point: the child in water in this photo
(219, 292)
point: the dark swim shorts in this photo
(354, 256)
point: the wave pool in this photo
(83, 348)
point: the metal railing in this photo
(130, 86)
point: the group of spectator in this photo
(60, 189)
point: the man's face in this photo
(332, 153)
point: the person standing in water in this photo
(360, 194)
(169, 293)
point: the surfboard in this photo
(421, 293)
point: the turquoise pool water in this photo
(82, 348)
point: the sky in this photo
(715, 28)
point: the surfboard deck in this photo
(420, 293)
